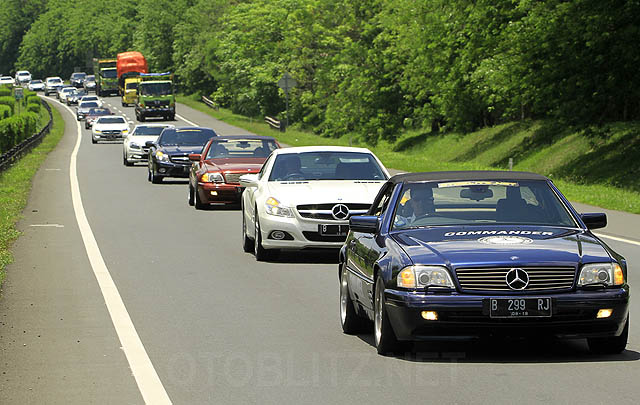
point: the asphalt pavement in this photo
(219, 327)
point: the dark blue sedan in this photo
(476, 254)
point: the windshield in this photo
(241, 148)
(99, 111)
(480, 202)
(36, 81)
(148, 131)
(88, 104)
(326, 166)
(55, 81)
(109, 73)
(90, 78)
(187, 137)
(155, 89)
(132, 86)
(78, 75)
(112, 120)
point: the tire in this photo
(93, 141)
(259, 252)
(142, 118)
(172, 117)
(247, 243)
(383, 335)
(610, 345)
(191, 196)
(198, 203)
(153, 177)
(351, 322)
(124, 104)
(125, 161)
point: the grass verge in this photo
(15, 186)
(591, 165)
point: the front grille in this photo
(111, 132)
(316, 237)
(494, 279)
(233, 177)
(180, 159)
(157, 103)
(323, 211)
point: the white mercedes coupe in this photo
(134, 148)
(303, 197)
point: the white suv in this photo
(22, 77)
(51, 85)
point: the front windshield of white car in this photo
(326, 166)
(88, 104)
(148, 131)
(480, 202)
(111, 120)
(55, 81)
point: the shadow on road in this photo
(313, 256)
(505, 350)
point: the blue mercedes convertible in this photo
(480, 253)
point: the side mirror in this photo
(148, 144)
(363, 223)
(595, 220)
(194, 157)
(249, 180)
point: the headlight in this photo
(212, 178)
(424, 276)
(134, 145)
(162, 156)
(97, 131)
(607, 274)
(273, 207)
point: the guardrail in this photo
(25, 146)
(210, 103)
(275, 124)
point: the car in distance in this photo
(63, 92)
(94, 114)
(77, 79)
(36, 85)
(303, 197)
(215, 174)
(83, 108)
(169, 154)
(22, 77)
(480, 253)
(89, 83)
(75, 96)
(51, 85)
(6, 80)
(134, 147)
(88, 97)
(109, 128)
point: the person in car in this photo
(418, 205)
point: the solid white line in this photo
(149, 383)
(187, 121)
(48, 225)
(632, 242)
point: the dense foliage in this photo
(370, 67)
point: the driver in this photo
(288, 165)
(419, 204)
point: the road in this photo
(217, 326)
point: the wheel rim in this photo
(344, 294)
(378, 314)
(244, 227)
(256, 245)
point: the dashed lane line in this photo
(149, 384)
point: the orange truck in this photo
(129, 65)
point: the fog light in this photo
(279, 235)
(214, 193)
(605, 313)
(430, 315)
(162, 170)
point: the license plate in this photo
(333, 230)
(520, 307)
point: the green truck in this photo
(155, 96)
(106, 76)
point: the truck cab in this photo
(130, 91)
(156, 96)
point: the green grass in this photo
(15, 186)
(591, 165)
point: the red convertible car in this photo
(215, 173)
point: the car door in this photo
(250, 194)
(364, 250)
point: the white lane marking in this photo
(48, 225)
(149, 383)
(187, 121)
(52, 170)
(632, 242)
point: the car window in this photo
(112, 120)
(325, 165)
(383, 202)
(148, 131)
(88, 104)
(187, 137)
(480, 202)
(241, 148)
(264, 166)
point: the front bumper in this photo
(157, 111)
(466, 315)
(219, 193)
(107, 137)
(170, 169)
(303, 233)
(137, 155)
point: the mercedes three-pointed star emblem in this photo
(517, 279)
(340, 211)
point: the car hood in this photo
(106, 127)
(181, 150)
(249, 165)
(292, 193)
(501, 246)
